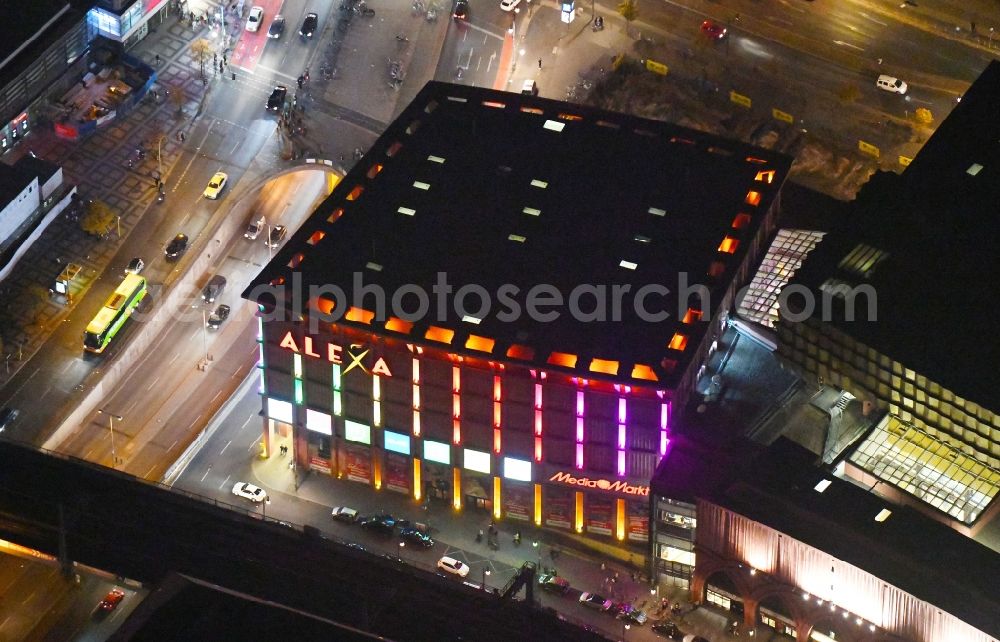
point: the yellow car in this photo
(216, 184)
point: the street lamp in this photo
(111, 422)
(486, 572)
(625, 627)
(267, 501)
(204, 335)
(402, 547)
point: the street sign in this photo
(657, 67)
(739, 99)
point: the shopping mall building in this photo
(590, 261)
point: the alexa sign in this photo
(334, 353)
(601, 484)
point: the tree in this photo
(97, 219)
(627, 9)
(178, 98)
(923, 116)
(201, 49)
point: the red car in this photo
(713, 30)
(111, 600)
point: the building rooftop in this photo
(494, 188)
(926, 241)
(13, 180)
(30, 22)
(777, 488)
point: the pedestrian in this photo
(157, 59)
(604, 566)
(539, 63)
(616, 576)
(224, 60)
(183, 137)
(215, 58)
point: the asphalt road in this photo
(167, 400)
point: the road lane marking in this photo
(847, 44)
(253, 443)
(175, 358)
(146, 476)
(48, 389)
(187, 168)
(225, 482)
(172, 445)
(150, 386)
(875, 20)
(69, 364)
(202, 480)
(498, 36)
(247, 421)
(224, 447)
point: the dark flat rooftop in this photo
(496, 188)
(938, 224)
(909, 550)
(20, 21)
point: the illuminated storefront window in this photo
(437, 452)
(397, 443)
(319, 422)
(279, 410)
(477, 460)
(517, 469)
(354, 431)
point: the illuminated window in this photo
(656, 211)
(518, 469)
(729, 245)
(356, 193)
(553, 125)
(692, 316)
(437, 452)
(822, 485)
(482, 344)
(374, 170)
(639, 238)
(531, 211)
(883, 515)
(517, 238)
(336, 214)
(765, 176)
(753, 198)
(742, 220)
(537, 183)
(604, 365)
(442, 335)
(678, 342)
(398, 325)
(374, 267)
(359, 316)
(397, 443)
(408, 211)
(494, 104)
(863, 260)
(279, 410)
(628, 265)
(316, 237)
(516, 351)
(532, 110)
(356, 431)
(435, 159)
(562, 359)
(570, 117)
(974, 169)
(476, 460)
(643, 371)
(422, 185)
(319, 422)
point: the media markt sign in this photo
(335, 353)
(601, 484)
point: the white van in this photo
(529, 88)
(888, 83)
(254, 228)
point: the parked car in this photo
(453, 566)
(254, 19)
(254, 228)
(461, 11)
(668, 630)
(216, 185)
(217, 317)
(344, 514)
(277, 235)
(888, 83)
(380, 524)
(553, 583)
(111, 600)
(7, 417)
(135, 266)
(509, 5)
(214, 288)
(413, 536)
(277, 27)
(309, 25)
(177, 246)
(713, 30)
(595, 601)
(277, 98)
(249, 491)
(629, 613)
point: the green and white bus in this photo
(116, 310)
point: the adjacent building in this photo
(901, 318)
(503, 303)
